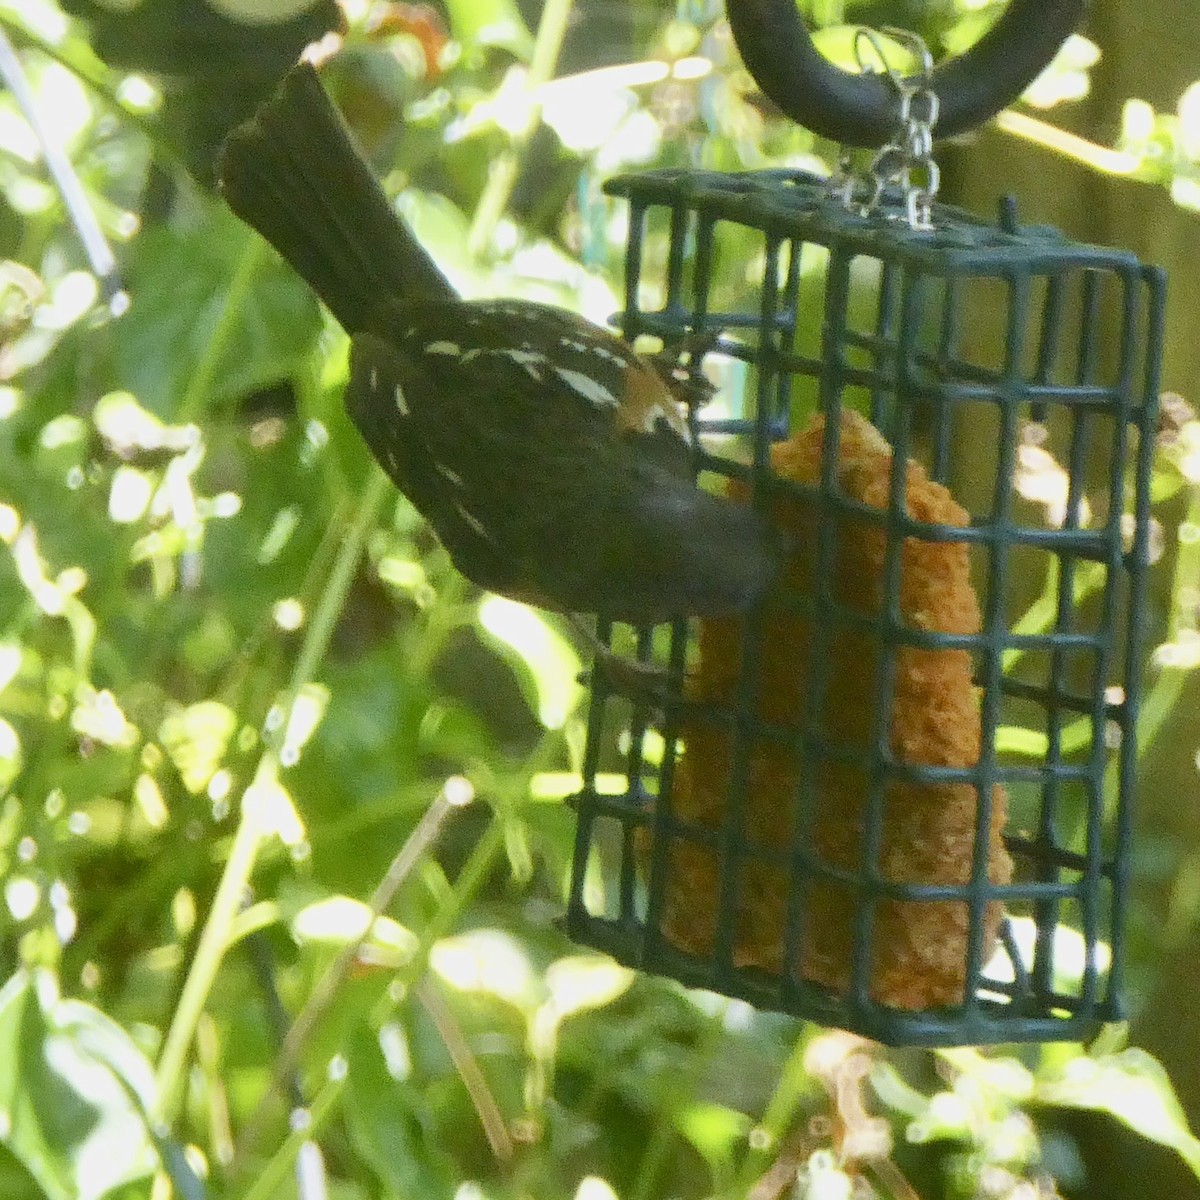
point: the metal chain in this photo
(907, 160)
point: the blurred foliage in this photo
(232, 658)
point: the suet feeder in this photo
(896, 797)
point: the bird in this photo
(554, 463)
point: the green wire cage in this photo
(896, 798)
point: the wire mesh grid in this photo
(895, 798)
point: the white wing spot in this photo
(452, 477)
(596, 348)
(475, 523)
(401, 403)
(374, 379)
(506, 309)
(531, 360)
(592, 391)
(443, 348)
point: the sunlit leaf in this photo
(551, 659)
(592, 1187)
(127, 427)
(274, 808)
(1068, 75)
(1005, 1076)
(196, 738)
(1015, 739)
(948, 1115)
(97, 715)
(1070, 953)
(339, 920)
(10, 755)
(582, 981)
(129, 495)
(67, 1077)
(487, 960)
(713, 1129)
(10, 663)
(490, 23)
(1135, 1089)
(558, 785)
(305, 716)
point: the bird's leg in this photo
(641, 682)
(679, 366)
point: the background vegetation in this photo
(237, 675)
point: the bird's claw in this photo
(643, 683)
(678, 364)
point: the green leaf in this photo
(498, 23)
(1134, 1088)
(550, 659)
(456, 733)
(340, 920)
(72, 1085)
(184, 319)
(10, 755)
(488, 961)
(714, 1130)
(389, 1124)
(582, 981)
(196, 738)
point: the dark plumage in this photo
(552, 461)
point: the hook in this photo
(911, 41)
(860, 110)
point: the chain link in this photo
(907, 160)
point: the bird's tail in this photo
(294, 173)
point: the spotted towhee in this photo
(553, 462)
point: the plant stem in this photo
(195, 399)
(410, 855)
(211, 949)
(794, 1084)
(654, 1158)
(333, 597)
(502, 176)
(271, 1180)
(252, 826)
(487, 1109)
(1069, 145)
(79, 58)
(1043, 612)
(470, 879)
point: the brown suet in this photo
(918, 949)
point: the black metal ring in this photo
(860, 110)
